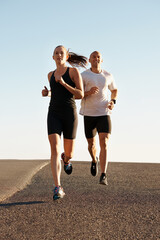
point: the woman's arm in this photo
(93, 90)
(45, 91)
(77, 79)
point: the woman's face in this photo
(60, 55)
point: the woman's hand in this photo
(93, 90)
(58, 78)
(45, 92)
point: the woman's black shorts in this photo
(63, 122)
(100, 124)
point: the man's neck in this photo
(96, 70)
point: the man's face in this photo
(95, 59)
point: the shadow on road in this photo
(20, 203)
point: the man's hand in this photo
(110, 105)
(94, 90)
(45, 92)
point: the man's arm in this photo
(114, 94)
(112, 102)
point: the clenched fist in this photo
(45, 92)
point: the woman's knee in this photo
(55, 145)
(55, 148)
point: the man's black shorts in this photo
(100, 124)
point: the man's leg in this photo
(92, 151)
(103, 139)
(92, 148)
(90, 133)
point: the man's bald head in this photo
(95, 53)
(95, 59)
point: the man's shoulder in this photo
(86, 72)
(107, 74)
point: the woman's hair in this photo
(77, 60)
(74, 59)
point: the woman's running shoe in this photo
(103, 179)
(67, 166)
(94, 167)
(58, 192)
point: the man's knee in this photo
(104, 141)
(91, 144)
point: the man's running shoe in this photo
(58, 192)
(103, 179)
(94, 167)
(67, 166)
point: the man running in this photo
(96, 108)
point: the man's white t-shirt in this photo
(96, 104)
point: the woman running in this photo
(66, 86)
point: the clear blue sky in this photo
(126, 32)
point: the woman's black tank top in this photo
(61, 98)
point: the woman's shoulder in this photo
(73, 71)
(50, 74)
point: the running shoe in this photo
(58, 192)
(94, 167)
(67, 166)
(103, 179)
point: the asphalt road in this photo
(15, 174)
(127, 209)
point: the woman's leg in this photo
(68, 149)
(55, 145)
